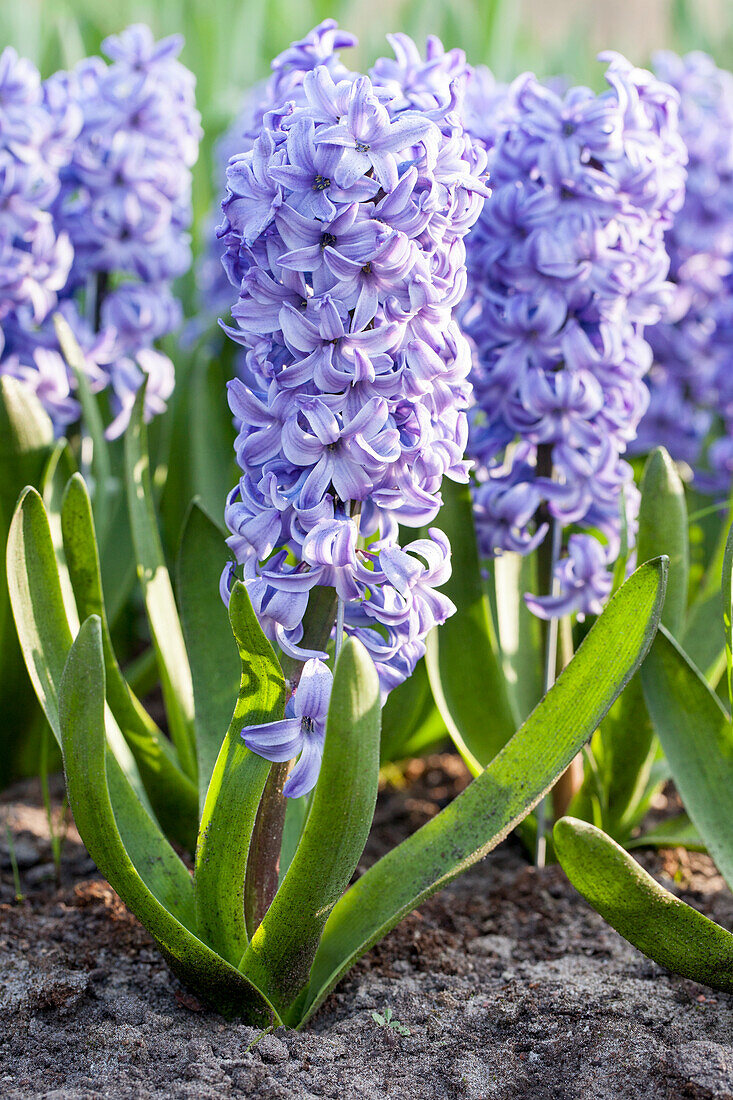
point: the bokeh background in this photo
(229, 43)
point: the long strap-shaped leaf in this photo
(61, 466)
(235, 790)
(520, 633)
(280, 955)
(627, 736)
(101, 465)
(172, 793)
(697, 739)
(648, 916)
(46, 639)
(165, 627)
(411, 722)
(479, 818)
(214, 666)
(81, 707)
(461, 657)
(26, 442)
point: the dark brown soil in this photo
(504, 986)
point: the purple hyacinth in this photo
(689, 380)
(125, 136)
(343, 228)
(37, 129)
(566, 266)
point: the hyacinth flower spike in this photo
(559, 289)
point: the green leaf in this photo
(282, 949)
(215, 669)
(512, 784)
(727, 598)
(236, 787)
(627, 735)
(26, 441)
(46, 640)
(101, 465)
(60, 467)
(411, 723)
(90, 781)
(165, 627)
(520, 632)
(697, 739)
(643, 912)
(673, 832)
(703, 638)
(663, 530)
(213, 466)
(172, 794)
(461, 657)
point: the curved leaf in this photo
(643, 912)
(101, 465)
(26, 442)
(235, 790)
(461, 658)
(627, 736)
(520, 632)
(215, 669)
(282, 949)
(165, 627)
(411, 722)
(172, 794)
(697, 739)
(46, 640)
(81, 706)
(513, 783)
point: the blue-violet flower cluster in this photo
(566, 266)
(690, 380)
(344, 226)
(125, 136)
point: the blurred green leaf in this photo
(215, 669)
(462, 655)
(165, 627)
(411, 722)
(697, 739)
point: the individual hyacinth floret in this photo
(128, 133)
(343, 230)
(566, 266)
(689, 380)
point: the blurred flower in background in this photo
(109, 232)
(690, 382)
(566, 266)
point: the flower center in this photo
(361, 147)
(307, 725)
(568, 128)
(367, 268)
(320, 183)
(326, 240)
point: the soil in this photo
(506, 985)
